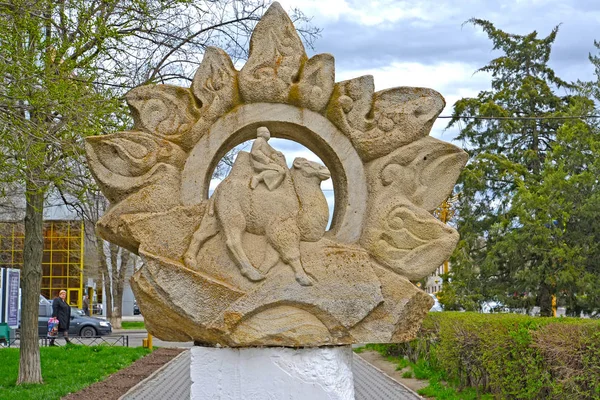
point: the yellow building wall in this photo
(62, 261)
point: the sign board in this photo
(9, 310)
(12, 301)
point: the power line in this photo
(522, 118)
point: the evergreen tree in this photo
(514, 213)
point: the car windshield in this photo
(77, 311)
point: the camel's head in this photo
(311, 169)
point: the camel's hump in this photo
(242, 166)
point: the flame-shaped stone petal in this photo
(163, 110)
(350, 105)
(215, 85)
(316, 83)
(124, 162)
(378, 123)
(402, 115)
(276, 55)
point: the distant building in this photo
(62, 260)
(69, 260)
(434, 281)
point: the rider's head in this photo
(263, 132)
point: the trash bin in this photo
(5, 334)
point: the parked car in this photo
(488, 307)
(136, 309)
(81, 325)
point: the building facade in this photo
(62, 260)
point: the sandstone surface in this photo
(255, 264)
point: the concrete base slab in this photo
(323, 373)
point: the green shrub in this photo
(511, 356)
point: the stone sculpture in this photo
(293, 209)
(254, 264)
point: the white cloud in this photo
(370, 13)
(436, 76)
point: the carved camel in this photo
(297, 210)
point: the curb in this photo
(126, 331)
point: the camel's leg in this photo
(271, 258)
(233, 223)
(299, 272)
(209, 227)
(285, 238)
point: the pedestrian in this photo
(86, 306)
(62, 311)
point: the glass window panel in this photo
(18, 243)
(74, 270)
(45, 282)
(59, 257)
(59, 283)
(74, 257)
(60, 244)
(46, 269)
(59, 270)
(46, 293)
(60, 230)
(73, 299)
(18, 257)
(46, 257)
(74, 282)
(5, 257)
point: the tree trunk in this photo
(103, 265)
(118, 279)
(30, 370)
(545, 301)
(114, 279)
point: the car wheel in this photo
(88, 331)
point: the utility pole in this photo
(444, 213)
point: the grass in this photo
(133, 325)
(65, 369)
(438, 387)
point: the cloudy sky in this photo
(426, 43)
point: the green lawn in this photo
(133, 325)
(65, 369)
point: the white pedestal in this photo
(276, 373)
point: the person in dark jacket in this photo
(62, 311)
(86, 305)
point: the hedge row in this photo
(512, 356)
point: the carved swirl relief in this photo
(254, 264)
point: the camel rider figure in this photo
(266, 161)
